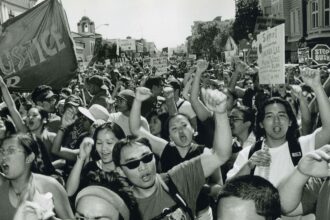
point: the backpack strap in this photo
(180, 104)
(254, 148)
(171, 189)
(295, 152)
(294, 148)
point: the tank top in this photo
(7, 211)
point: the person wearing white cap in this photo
(95, 112)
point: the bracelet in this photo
(63, 129)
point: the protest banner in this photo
(303, 54)
(36, 48)
(271, 55)
(321, 54)
(160, 63)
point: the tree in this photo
(208, 38)
(247, 12)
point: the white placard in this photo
(160, 63)
(271, 55)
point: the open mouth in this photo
(4, 169)
(146, 177)
(277, 129)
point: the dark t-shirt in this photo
(188, 177)
(171, 157)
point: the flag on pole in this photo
(36, 48)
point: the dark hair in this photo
(10, 127)
(167, 122)
(248, 115)
(264, 195)
(110, 126)
(128, 141)
(38, 93)
(292, 134)
(153, 81)
(43, 113)
(163, 119)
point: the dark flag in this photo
(36, 48)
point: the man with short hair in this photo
(123, 105)
(155, 198)
(44, 97)
(248, 197)
(99, 91)
(155, 84)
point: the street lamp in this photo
(101, 26)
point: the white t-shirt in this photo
(281, 164)
(123, 121)
(185, 108)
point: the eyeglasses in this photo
(233, 119)
(136, 163)
(9, 151)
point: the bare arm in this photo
(201, 111)
(19, 123)
(312, 79)
(157, 144)
(73, 181)
(68, 118)
(221, 152)
(313, 164)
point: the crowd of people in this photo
(203, 141)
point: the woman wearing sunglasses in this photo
(18, 184)
(100, 168)
(181, 148)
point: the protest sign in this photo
(127, 45)
(303, 54)
(160, 63)
(321, 54)
(146, 61)
(36, 48)
(271, 55)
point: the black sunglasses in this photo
(136, 163)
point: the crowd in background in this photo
(203, 141)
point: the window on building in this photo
(292, 22)
(327, 12)
(315, 14)
(297, 23)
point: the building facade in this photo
(307, 23)
(85, 39)
(12, 8)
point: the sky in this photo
(165, 22)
